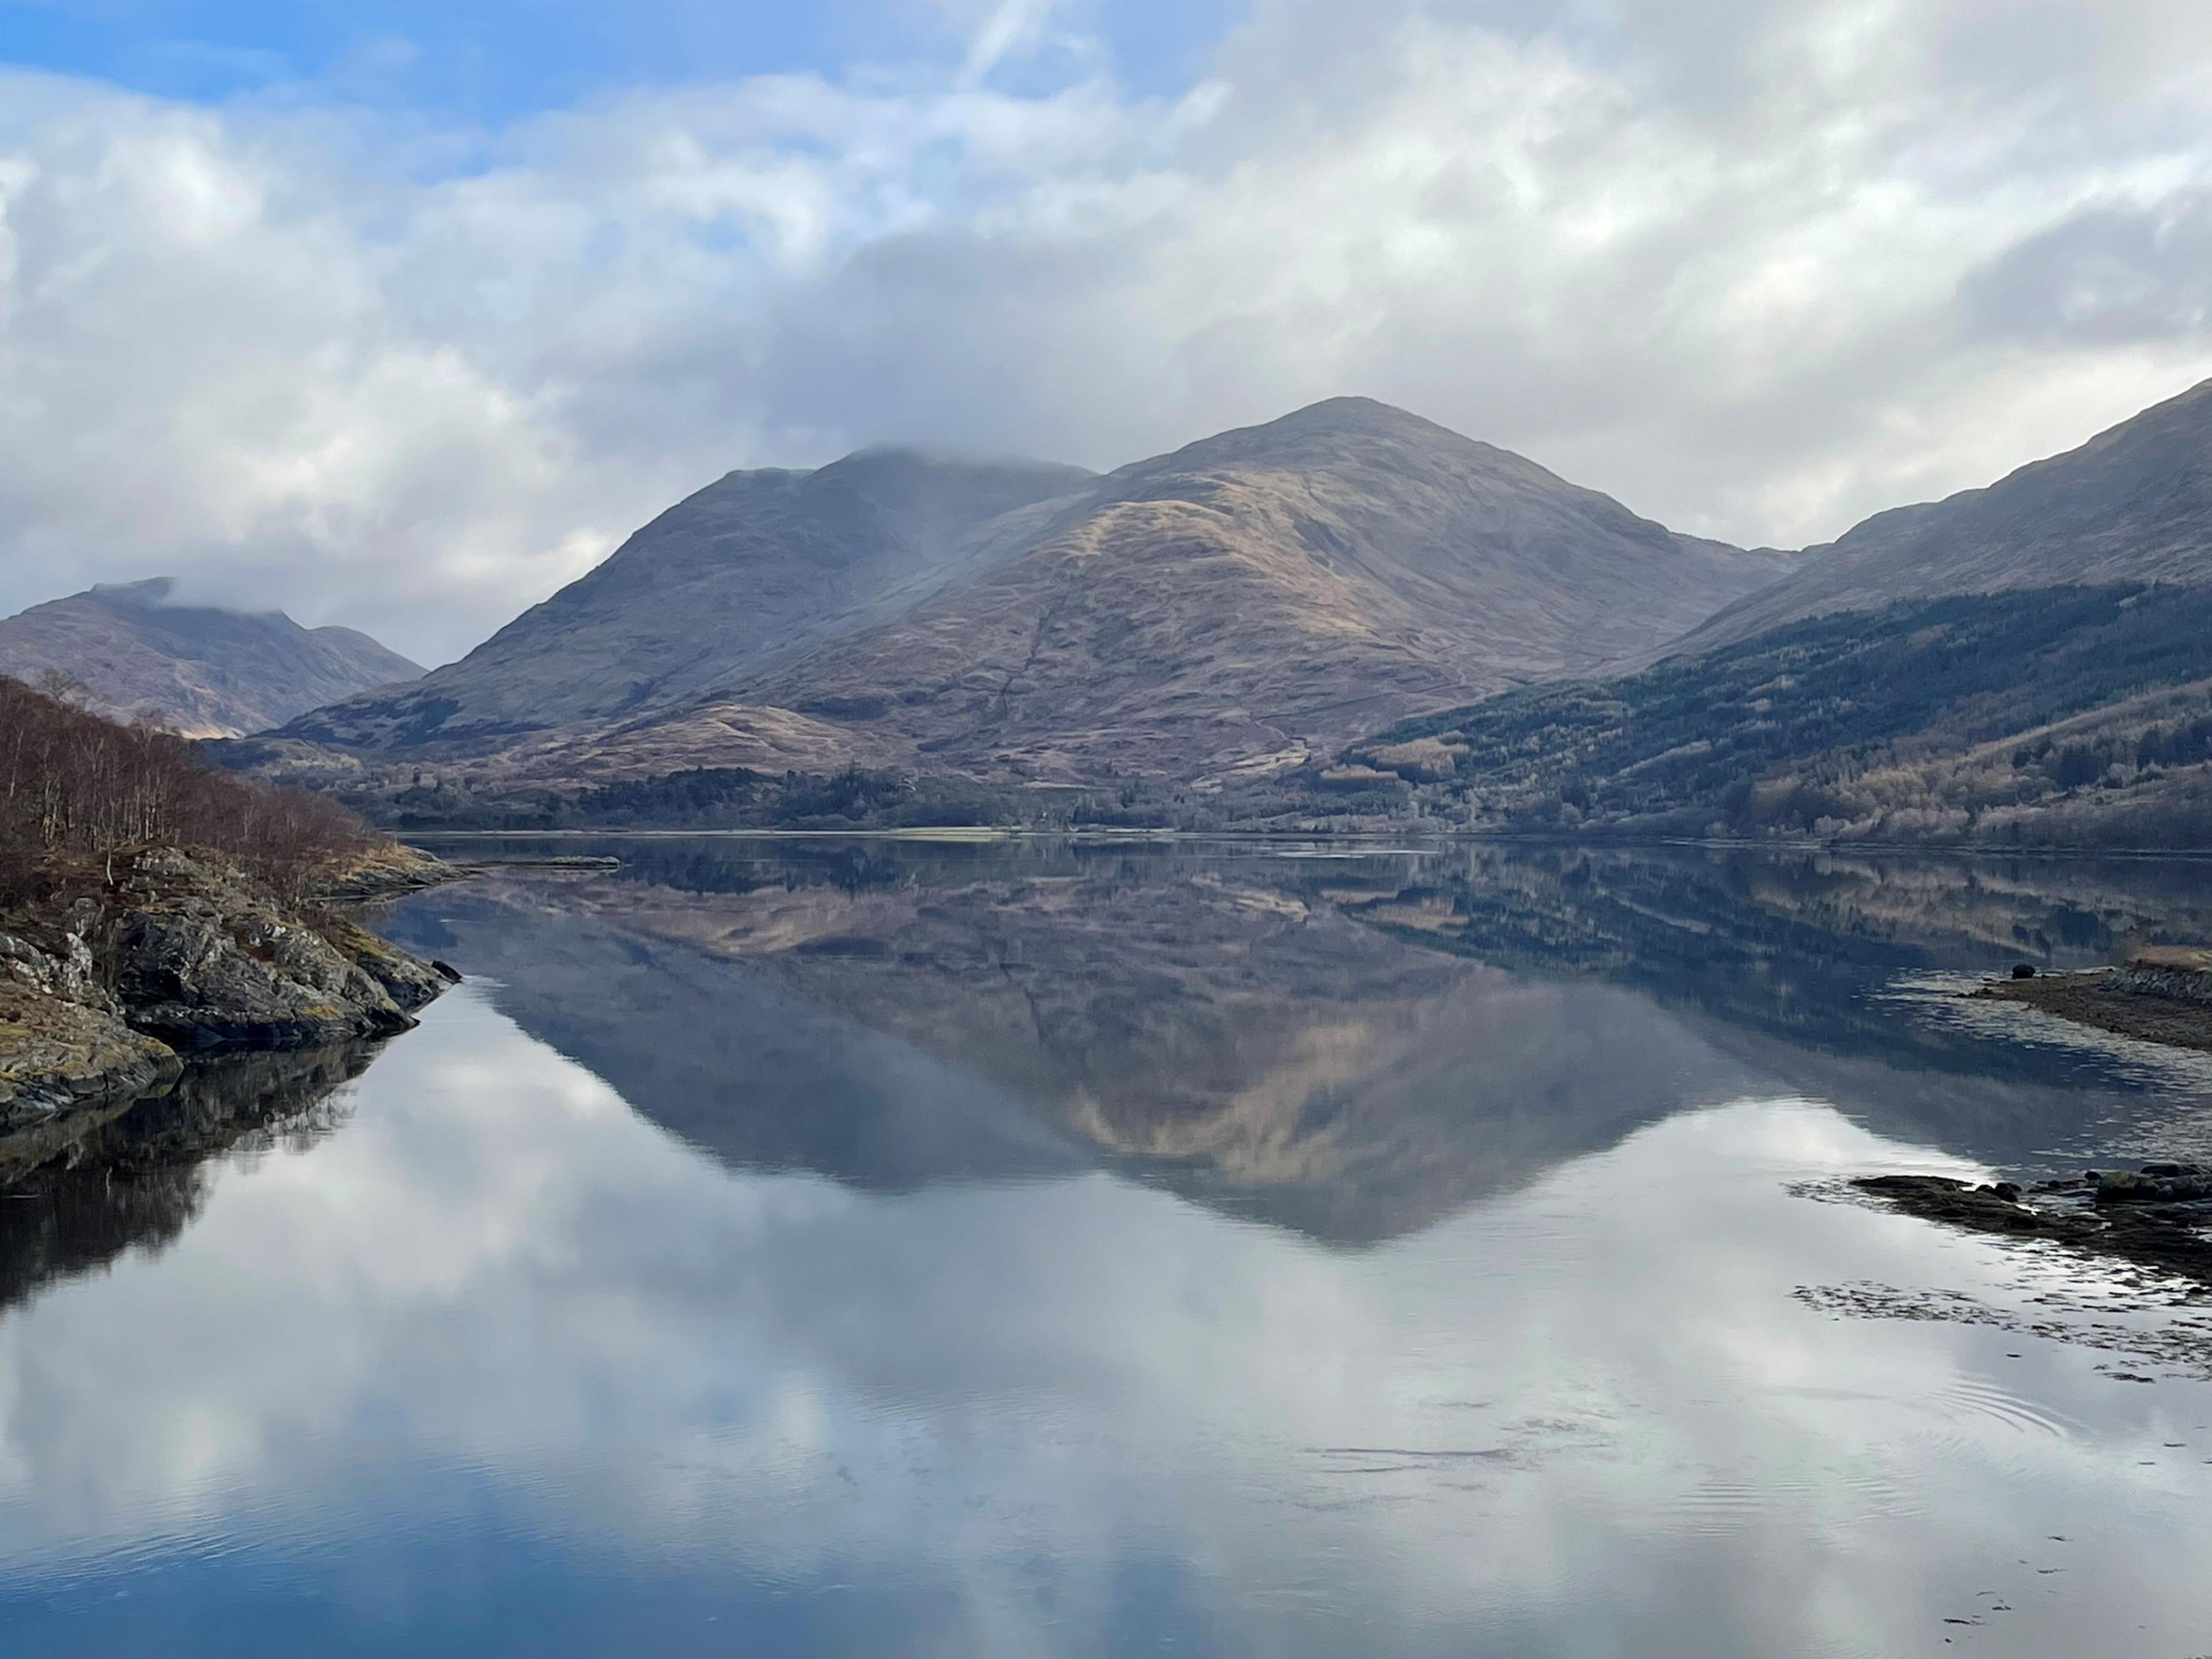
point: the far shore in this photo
(984, 833)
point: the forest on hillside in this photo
(2057, 717)
(77, 787)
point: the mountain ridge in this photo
(753, 567)
(2132, 504)
(202, 670)
(1226, 604)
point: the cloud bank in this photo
(1757, 270)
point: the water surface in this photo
(870, 1247)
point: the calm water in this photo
(870, 1249)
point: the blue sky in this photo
(492, 64)
(402, 314)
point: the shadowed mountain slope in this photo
(1229, 606)
(200, 670)
(2077, 716)
(2134, 504)
(749, 572)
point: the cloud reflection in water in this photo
(502, 1366)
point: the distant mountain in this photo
(748, 573)
(197, 670)
(1264, 592)
(2056, 716)
(1228, 606)
(2134, 504)
(2029, 664)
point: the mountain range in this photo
(2028, 664)
(1348, 615)
(1244, 604)
(200, 670)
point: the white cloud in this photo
(1758, 270)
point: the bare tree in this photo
(76, 788)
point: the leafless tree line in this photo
(76, 788)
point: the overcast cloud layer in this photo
(1757, 270)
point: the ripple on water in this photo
(1845, 1498)
(1977, 1400)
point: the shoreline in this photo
(1366, 839)
(109, 996)
(982, 833)
(2161, 997)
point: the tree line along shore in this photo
(154, 909)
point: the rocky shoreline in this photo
(2156, 1216)
(2161, 996)
(107, 994)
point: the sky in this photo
(402, 314)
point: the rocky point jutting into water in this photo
(152, 911)
(102, 993)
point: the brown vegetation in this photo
(75, 789)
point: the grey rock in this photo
(57, 1056)
(2171, 1183)
(249, 981)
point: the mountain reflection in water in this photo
(863, 1249)
(1352, 1045)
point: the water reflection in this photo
(501, 1368)
(1354, 1046)
(794, 1251)
(133, 1175)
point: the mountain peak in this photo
(198, 669)
(152, 590)
(1241, 595)
(2132, 504)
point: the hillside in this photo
(2134, 504)
(153, 908)
(196, 670)
(1262, 593)
(1227, 609)
(2059, 716)
(746, 574)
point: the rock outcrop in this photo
(202, 961)
(2154, 1219)
(182, 955)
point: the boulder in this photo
(57, 1054)
(2155, 1183)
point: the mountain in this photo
(2056, 716)
(1224, 608)
(748, 573)
(197, 670)
(1261, 593)
(2134, 504)
(2029, 664)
